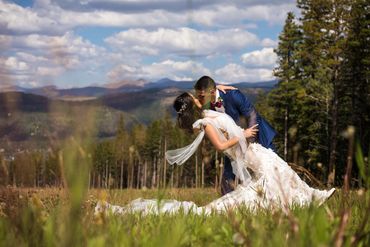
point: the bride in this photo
(267, 181)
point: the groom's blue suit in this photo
(237, 105)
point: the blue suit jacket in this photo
(237, 104)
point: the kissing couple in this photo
(266, 180)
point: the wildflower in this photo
(360, 192)
(238, 239)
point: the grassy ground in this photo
(54, 217)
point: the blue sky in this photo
(75, 43)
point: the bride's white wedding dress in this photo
(273, 184)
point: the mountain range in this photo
(93, 92)
(31, 117)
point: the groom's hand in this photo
(251, 132)
(224, 88)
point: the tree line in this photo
(132, 159)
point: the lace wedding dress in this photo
(273, 183)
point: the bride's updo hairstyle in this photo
(186, 111)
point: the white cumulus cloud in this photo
(233, 73)
(39, 58)
(267, 42)
(176, 70)
(182, 41)
(13, 65)
(265, 58)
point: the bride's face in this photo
(196, 101)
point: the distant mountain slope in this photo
(22, 102)
(94, 92)
(263, 84)
(29, 120)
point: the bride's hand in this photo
(224, 88)
(251, 132)
(196, 101)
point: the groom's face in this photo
(205, 95)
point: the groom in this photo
(236, 105)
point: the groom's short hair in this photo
(204, 82)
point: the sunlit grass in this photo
(40, 217)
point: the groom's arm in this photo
(245, 107)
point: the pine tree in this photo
(103, 162)
(138, 140)
(319, 59)
(283, 97)
(167, 126)
(121, 148)
(312, 116)
(356, 71)
(152, 149)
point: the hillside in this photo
(33, 121)
(95, 92)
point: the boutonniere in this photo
(218, 103)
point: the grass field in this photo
(55, 217)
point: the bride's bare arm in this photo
(216, 141)
(222, 145)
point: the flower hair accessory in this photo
(183, 107)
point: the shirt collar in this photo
(217, 94)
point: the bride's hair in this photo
(187, 112)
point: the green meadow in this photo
(54, 217)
